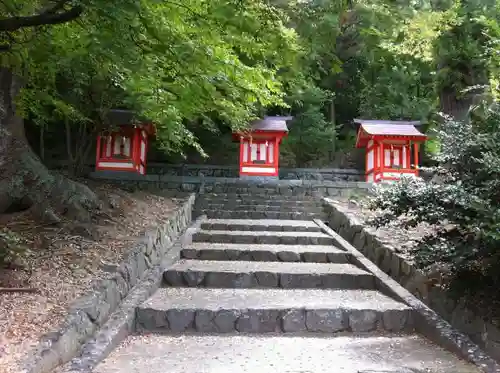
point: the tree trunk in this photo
(24, 180)
(458, 108)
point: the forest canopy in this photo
(200, 69)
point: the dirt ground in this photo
(61, 263)
(401, 240)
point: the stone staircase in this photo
(241, 204)
(272, 295)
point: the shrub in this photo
(462, 200)
(12, 246)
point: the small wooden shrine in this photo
(124, 146)
(259, 147)
(391, 148)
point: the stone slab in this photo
(272, 238)
(264, 206)
(265, 253)
(245, 196)
(227, 214)
(122, 322)
(89, 313)
(246, 274)
(281, 354)
(250, 199)
(427, 321)
(218, 299)
(261, 225)
(270, 310)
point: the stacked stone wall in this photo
(179, 185)
(402, 270)
(130, 283)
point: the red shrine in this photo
(391, 148)
(259, 146)
(124, 148)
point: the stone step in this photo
(280, 215)
(205, 201)
(272, 192)
(261, 225)
(270, 238)
(271, 310)
(287, 275)
(272, 199)
(265, 253)
(264, 207)
(290, 353)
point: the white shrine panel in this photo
(387, 157)
(259, 170)
(370, 160)
(245, 151)
(108, 146)
(253, 152)
(262, 154)
(395, 154)
(126, 146)
(143, 150)
(117, 145)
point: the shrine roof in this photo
(370, 128)
(391, 130)
(118, 117)
(271, 124)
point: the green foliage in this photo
(175, 63)
(491, 55)
(311, 136)
(463, 200)
(196, 66)
(397, 82)
(397, 87)
(460, 48)
(309, 93)
(12, 246)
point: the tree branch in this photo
(57, 7)
(18, 290)
(51, 16)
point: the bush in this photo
(463, 200)
(12, 246)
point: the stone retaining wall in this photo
(90, 312)
(189, 184)
(328, 174)
(482, 332)
(232, 171)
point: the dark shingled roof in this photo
(391, 130)
(388, 122)
(370, 128)
(271, 124)
(389, 127)
(118, 117)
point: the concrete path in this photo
(280, 354)
(273, 296)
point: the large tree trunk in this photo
(24, 180)
(457, 106)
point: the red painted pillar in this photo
(381, 159)
(408, 155)
(415, 147)
(98, 151)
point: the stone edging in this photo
(232, 170)
(229, 185)
(122, 322)
(132, 280)
(401, 278)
